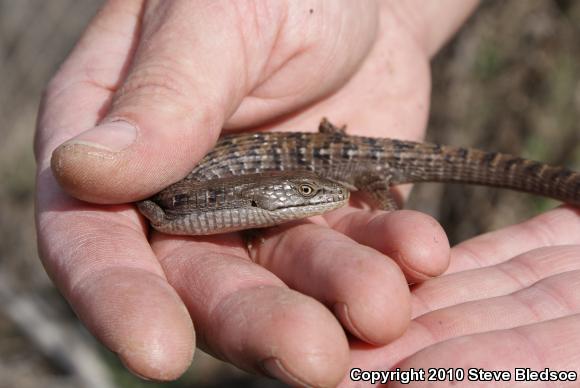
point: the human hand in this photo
(508, 300)
(179, 72)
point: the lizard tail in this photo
(437, 163)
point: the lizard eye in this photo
(306, 190)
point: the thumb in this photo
(188, 74)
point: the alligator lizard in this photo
(261, 179)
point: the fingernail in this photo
(273, 367)
(112, 136)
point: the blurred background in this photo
(509, 81)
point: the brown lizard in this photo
(261, 179)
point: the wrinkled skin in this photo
(177, 73)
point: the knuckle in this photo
(156, 82)
(162, 86)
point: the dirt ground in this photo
(509, 81)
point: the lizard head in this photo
(294, 195)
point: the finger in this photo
(100, 261)
(165, 112)
(560, 226)
(416, 241)
(365, 289)
(549, 298)
(245, 315)
(501, 279)
(553, 344)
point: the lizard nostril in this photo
(254, 203)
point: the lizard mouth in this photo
(254, 203)
(309, 209)
(330, 202)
